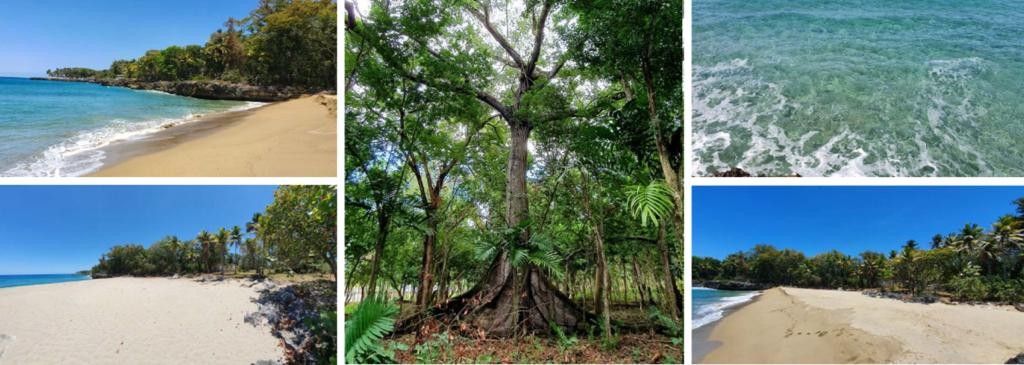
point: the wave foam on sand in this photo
(83, 152)
(707, 313)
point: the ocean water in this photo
(22, 280)
(709, 305)
(50, 128)
(859, 88)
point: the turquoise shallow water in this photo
(7, 281)
(52, 128)
(861, 88)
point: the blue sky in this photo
(36, 35)
(63, 229)
(850, 219)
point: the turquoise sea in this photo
(50, 128)
(22, 280)
(709, 305)
(859, 88)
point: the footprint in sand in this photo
(5, 340)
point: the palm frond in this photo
(651, 202)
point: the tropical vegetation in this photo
(295, 234)
(513, 169)
(280, 43)
(970, 264)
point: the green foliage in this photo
(969, 286)
(364, 332)
(281, 42)
(300, 227)
(73, 72)
(564, 342)
(438, 349)
(324, 329)
(650, 203)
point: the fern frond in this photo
(365, 328)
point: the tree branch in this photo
(484, 18)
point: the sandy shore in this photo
(133, 321)
(787, 325)
(292, 138)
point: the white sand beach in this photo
(789, 325)
(133, 321)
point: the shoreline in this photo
(791, 325)
(291, 138)
(702, 343)
(135, 320)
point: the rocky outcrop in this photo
(731, 285)
(738, 172)
(211, 90)
(217, 90)
(1019, 359)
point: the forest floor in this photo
(640, 343)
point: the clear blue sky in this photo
(63, 229)
(36, 35)
(849, 219)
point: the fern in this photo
(650, 202)
(364, 330)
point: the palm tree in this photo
(969, 239)
(222, 239)
(256, 250)
(205, 249)
(1005, 237)
(236, 239)
(937, 241)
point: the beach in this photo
(292, 138)
(789, 325)
(133, 321)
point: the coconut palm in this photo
(222, 239)
(206, 249)
(1005, 238)
(236, 238)
(969, 239)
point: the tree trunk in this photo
(671, 291)
(383, 223)
(672, 177)
(639, 283)
(427, 269)
(507, 298)
(603, 277)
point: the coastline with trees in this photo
(282, 50)
(906, 304)
(262, 290)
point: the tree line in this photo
(971, 264)
(295, 234)
(281, 43)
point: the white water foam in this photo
(738, 111)
(82, 153)
(707, 313)
(728, 97)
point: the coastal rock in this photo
(209, 89)
(738, 172)
(1019, 306)
(731, 285)
(1019, 359)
